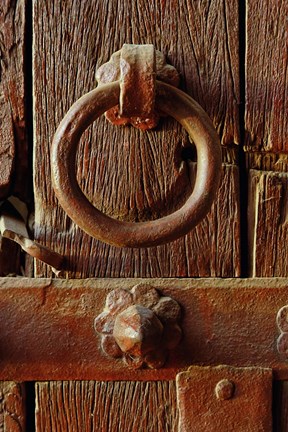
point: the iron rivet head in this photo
(224, 389)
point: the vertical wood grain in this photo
(13, 170)
(266, 75)
(266, 136)
(125, 173)
(13, 140)
(268, 223)
(266, 141)
(12, 408)
(89, 406)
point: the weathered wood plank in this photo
(268, 223)
(12, 407)
(13, 140)
(106, 406)
(13, 169)
(266, 131)
(267, 161)
(266, 76)
(211, 249)
(268, 237)
(47, 327)
(125, 173)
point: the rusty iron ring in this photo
(173, 102)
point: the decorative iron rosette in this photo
(140, 325)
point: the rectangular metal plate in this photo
(225, 398)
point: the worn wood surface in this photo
(89, 406)
(267, 161)
(13, 170)
(268, 223)
(203, 408)
(211, 249)
(47, 327)
(268, 238)
(125, 173)
(13, 140)
(266, 132)
(12, 408)
(266, 76)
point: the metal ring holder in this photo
(169, 100)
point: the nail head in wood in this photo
(224, 389)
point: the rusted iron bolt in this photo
(224, 389)
(140, 325)
(137, 330)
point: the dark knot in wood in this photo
(139, 325)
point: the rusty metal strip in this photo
(117, 68)
(47, 327)
(225, 398)
(13, 219)
(138, 80)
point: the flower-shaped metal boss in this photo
(140, 325)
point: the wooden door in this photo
(232, 59)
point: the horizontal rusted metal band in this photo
(46, 327)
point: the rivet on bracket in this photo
(224, 389)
